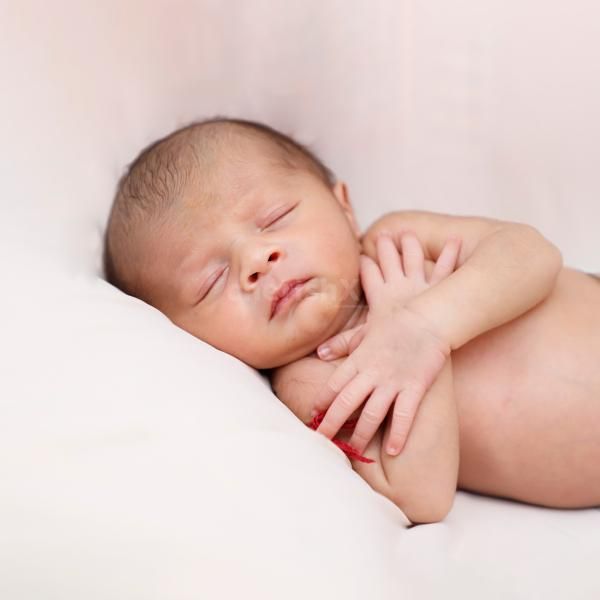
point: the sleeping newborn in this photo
(465, 350)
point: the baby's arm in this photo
(504, 269)
(422, 479)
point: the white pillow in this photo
(140, 462)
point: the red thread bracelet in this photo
(347, 449)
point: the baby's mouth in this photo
(285, 295)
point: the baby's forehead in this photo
(209, 211)
(232, 189)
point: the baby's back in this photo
(528, 396)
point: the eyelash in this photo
(286, 212)
(212, 284)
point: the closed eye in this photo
(279, 216)
(212, 283)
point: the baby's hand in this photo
(412, 281)
(395, 356)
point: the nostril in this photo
(253, 278)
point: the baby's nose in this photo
(257, 262)
(272, 257)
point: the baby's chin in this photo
(318, 318)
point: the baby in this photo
(467, 351)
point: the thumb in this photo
(342, 344)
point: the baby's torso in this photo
(528, 396)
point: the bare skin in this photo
(528, 401)
(528, 397)
(524, 356)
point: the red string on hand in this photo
(347, 449)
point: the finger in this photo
(447, 260)
(371, 278)
(389, 259)
(413, 258)
(369, 241)
(345, 403)
(335, 384)
(372, 416)
(405, 408)
(341, 344)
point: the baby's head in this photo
(215, 222)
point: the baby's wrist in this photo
(430, 323)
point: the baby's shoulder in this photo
(307, 370)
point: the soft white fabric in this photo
(138, 462)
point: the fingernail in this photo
(392, 450)
(324, 352)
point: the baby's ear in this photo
(342, 195)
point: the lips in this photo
(285, 293)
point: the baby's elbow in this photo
(556, 260)
(424, 515)
(547, 251)
(432, 508)
(553, 264)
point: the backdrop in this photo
(476, 107)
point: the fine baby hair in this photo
(154, 182)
